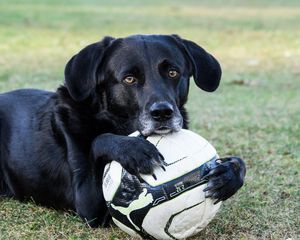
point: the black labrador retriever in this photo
(54, 145)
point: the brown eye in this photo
(129, 80)
(173, 74)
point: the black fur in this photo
(54, 145)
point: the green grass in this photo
(255, 113)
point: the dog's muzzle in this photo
(161, 118)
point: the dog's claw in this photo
(163, 167)
(154, 176)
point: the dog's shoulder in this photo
(85, 119)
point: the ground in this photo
(255, 113)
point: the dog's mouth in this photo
(164, 130)
(148, 126)
(159, 130)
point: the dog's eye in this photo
(173, 74)
(129, 80)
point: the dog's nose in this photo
(161, 111)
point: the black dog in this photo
(54, 146)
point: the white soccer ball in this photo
(172, 206)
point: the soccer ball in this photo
(171, 204)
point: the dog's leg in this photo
(87, 199)
(136, 155)
(90, 203)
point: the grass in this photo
(255, 113)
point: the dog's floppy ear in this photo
(81, 72)
(206, 70)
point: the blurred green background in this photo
(255, 113)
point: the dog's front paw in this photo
(225, 179)
(137, 155)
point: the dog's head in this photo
(144, 78)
